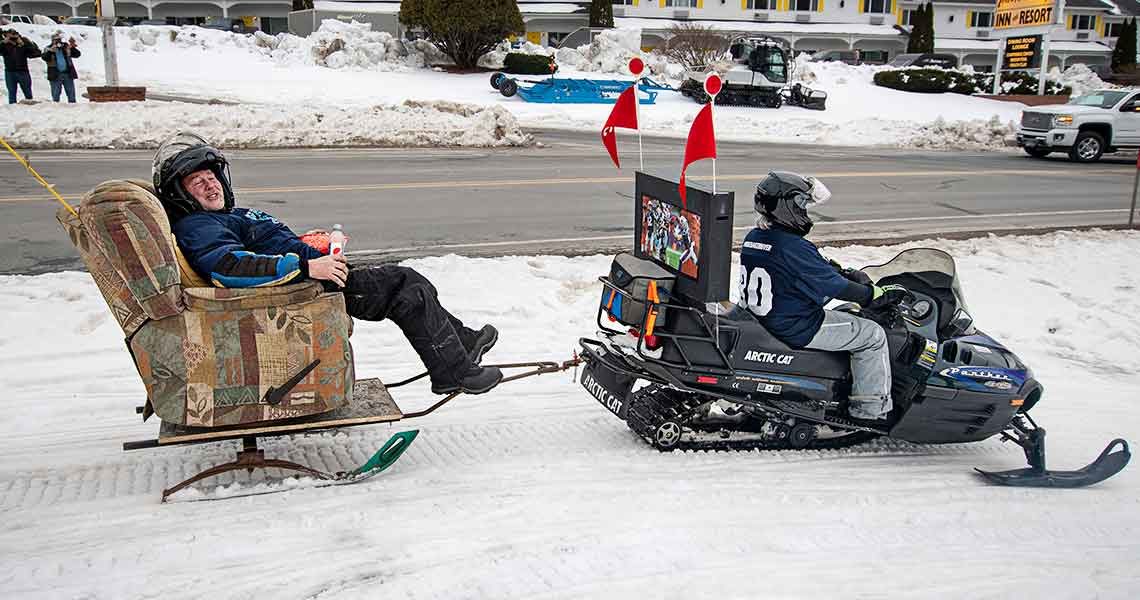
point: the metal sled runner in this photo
(372, 405)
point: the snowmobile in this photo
(685, 375)
(756, 77)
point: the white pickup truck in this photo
(1099, 121)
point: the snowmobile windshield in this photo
(931, 272)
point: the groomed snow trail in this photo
(536, 491)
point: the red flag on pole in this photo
(700, 145)
(623, 115)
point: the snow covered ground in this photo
(353, 69)
(536, 491)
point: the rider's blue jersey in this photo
(786, 283)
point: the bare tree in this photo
(695, 46)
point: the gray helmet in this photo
(784, 198)
(178, 156)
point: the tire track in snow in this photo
(438, 449)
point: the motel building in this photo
(878, 29)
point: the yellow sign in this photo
(1013, 14)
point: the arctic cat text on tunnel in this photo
(683, 376)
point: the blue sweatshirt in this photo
(786, 283)
(242, 247)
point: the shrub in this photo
(940, 81)
(463, 29)
(926, 81)
(695, 46)
(528, 64)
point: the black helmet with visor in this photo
(180, 155)
(783, 199)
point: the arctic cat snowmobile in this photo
(684, 377)
(756, 78)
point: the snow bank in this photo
(143, 125)
(1079, 77)
(536, 491)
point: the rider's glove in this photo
(887, 295)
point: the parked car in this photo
(1086, 127)
(850, 57)
(945, 61)
(6, 19)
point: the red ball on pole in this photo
(713, 84)
(636, 66)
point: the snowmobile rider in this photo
(786, 283)
(240, 247)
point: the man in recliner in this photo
(240, 247)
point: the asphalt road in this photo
(566, 197)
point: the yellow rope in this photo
(43, 182)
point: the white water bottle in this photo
(336, 241)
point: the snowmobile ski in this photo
(1106, 465)
(385, 457)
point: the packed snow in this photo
(432, 123)
(350, 66)
(535, 490)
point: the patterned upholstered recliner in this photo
(209, 356)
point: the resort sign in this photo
(1018, 14)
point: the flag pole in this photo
(637, 68)
(637, 107)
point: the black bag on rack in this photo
(633, 276)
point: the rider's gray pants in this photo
(870, 361)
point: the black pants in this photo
(379, 292)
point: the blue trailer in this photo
(573, 91)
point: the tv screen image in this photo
(671, 235)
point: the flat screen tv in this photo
(691, 239)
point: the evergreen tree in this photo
(928, 30)
(601, 13)
(463, 29)
(1124, 54)
(921, 30)
(917, 24)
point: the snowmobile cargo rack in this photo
(372, 404)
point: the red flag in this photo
(623, 115)
(700, 145)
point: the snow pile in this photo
(336, 45)
(609, 52)
(974, 134)
(42, 20)
(1079, 77)
(435, 123)
(536, 491)
(827, 74)
(494, 59)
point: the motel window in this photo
(1083, 22)
(879, 7)
(761, 5)
(1113, 29)
(984, 20)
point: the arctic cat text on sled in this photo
(682, 374)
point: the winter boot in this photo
(475, 380)
(479, 342)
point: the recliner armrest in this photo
(214, 299)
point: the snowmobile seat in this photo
(747, 345)
(209, 357)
